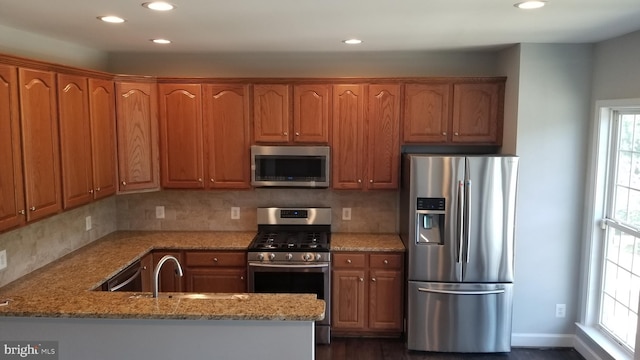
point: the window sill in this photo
(605, 344)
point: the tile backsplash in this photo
(371, 211)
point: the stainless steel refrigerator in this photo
(457, 217)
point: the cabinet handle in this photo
(359, 180)
(212, 180)
(361, 279)
(91, 191)
(22, 212)
(199, 179)
(386, 261)
(370, 181)
(444, 133)
(348, 261)
(241, 277)
(297, 134)
(215, 260)
(285, 133)
(456, 134)
(124, 183)
(98, 189)
(33, 208)
(373, 279)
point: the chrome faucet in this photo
(156, 272)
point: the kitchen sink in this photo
(194, 296)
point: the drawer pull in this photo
(386, 261)
(348, 261)
(215, 260)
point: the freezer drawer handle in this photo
(482, 292)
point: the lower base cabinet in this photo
(216, 271)
(368, 294)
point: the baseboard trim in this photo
(542, 340)
(585, 350)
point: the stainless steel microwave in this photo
(290, 166)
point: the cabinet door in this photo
(271, 114)
(147, 272)
(385, 300)
(75, 140)
(383, 136)
(11, 186)
(348, 138)
(103, 137)
(227, 136)
(477, 113)
(181, 136)
(426, 113)
(137, 124)
(169, 280)
(348, 303)
(40, 141)
(216, 280)
(311, 113)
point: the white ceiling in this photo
(320, 25)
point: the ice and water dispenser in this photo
(430, 213)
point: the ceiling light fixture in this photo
(352, 41)
(161, 41)
(111, 19)
(528, 5)
(159, 6)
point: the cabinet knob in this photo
(373, 279)
(33, 208)
(370, 181)
(241, 277)
(359, 181)
(361, 279)
(91, 191)
(215, 259)
(297, 134)
(97, 189)
(456, 134)
(199, 179)
(285, 133)
(444, 133)
(124, 183)
(348, 261)
(212, 180)
(22, 212)
(386, 261)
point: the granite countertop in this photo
(64, 287)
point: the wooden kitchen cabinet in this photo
(137, 128)
(311, 113)
(271, 113)
(41, 151)
(169, 280)
(102, 110)
(478, 113)
(12, 202)
(216, 271)
(366, 149)
(227, 136)
(426, 113)
(181, 136)
(368, 293)
(146, 275)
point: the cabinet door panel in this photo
(385, 300)
(348, 305)
(383, 136)
(271, 113)
(41, 149)
(11, 185)
(311, 113)
(75, 140)
(228, 280)
(137, 126)
(181, 136)
(477, 113)
(103, 137)
(227, 136)
(169, 280)
(426, 113)
(347, 151)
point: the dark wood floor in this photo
(395, 349)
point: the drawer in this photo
(215, 258)
(386, 261)
(348, 260)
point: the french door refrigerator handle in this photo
(453, 292)
(460, 218)
(467, 210)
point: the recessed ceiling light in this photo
(161, 41)
(527, 5)
(352, 41)
(159, 6)
(111, 19)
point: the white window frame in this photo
(595, 211)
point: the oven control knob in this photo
(318, 257)
(260, 257)
(288, 256)
(307, 257)
(272, 256)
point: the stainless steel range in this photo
(290, 254)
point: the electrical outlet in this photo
(159, 212)
(561, 310)
(87, 223)
(346, 213)
(235, 213)
(3, 259)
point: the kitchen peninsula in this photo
(56, 303)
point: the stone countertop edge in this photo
(41, 294)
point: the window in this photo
(619, 285)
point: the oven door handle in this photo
(290, 266)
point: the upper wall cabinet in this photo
(275, 121)
(12, 205)
(181, 135)
(383, 136)
(348, 149)
(454, 113)
(227, 134)
(102, 111)
(137, 127)
(41, 161)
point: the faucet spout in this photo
(156, 272)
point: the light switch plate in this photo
(87, 223)
(235, 213)
(159, 212)
(3, 259)
(346, 213)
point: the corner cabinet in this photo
(41, 152)
(137, 127)
(12, 205)
(368, 293)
